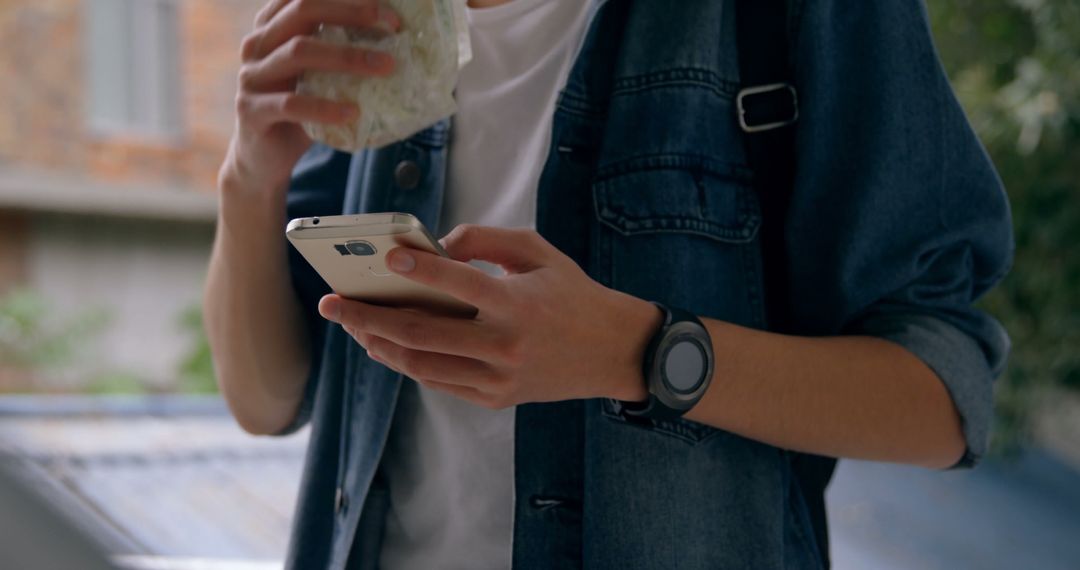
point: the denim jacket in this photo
(897, 224)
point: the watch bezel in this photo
(658, 384)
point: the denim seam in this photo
(809, 543)
(795, 21)
(675, 77)
(352, 517)
(751, 257)
(341, 516)
(668, 161)
(681, 225)
(579, 106)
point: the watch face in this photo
(685, 365)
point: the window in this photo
(133, 71)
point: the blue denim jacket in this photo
(897, 224)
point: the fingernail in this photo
(402, 262)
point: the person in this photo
(597, 163)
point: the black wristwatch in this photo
(678, 367)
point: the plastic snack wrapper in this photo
(429, 50)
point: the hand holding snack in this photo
(268, 138)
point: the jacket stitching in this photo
(682, 76)
(638, 163)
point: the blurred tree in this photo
(34, 340)
(1014, 64)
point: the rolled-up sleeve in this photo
(317, 189)
(956, 356)
(898, 217)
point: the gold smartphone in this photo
(349, 253)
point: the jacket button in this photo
(407, 174)
(341, 501)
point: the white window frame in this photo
(142, 52)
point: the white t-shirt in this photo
(450, 464)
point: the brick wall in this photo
(42, 96)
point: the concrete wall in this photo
(142, 274)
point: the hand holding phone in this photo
(349, 253)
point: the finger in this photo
(262, 110)
(456, 278)
(303, 53)
(431, 366)
(301, 17)
(266, 12)
(467, 393)
(515, 250)
(412, 329)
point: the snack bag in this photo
(430, 49)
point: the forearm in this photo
(857, 397)
(253, 319)
(547, 326)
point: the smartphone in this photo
(349, 253)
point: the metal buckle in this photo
(752, 91)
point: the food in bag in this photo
(429, 50)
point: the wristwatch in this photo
(678, 367)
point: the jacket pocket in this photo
(666, 200)
(681, 231)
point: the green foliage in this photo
(1014, 66)
(196, 374)
(31, 338)
(112, 383)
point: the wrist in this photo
(247, 215)
(251, 177)
(639, 323)
(239, 182)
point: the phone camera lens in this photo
(360, 247)
(314, 221)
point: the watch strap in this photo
(653, 407)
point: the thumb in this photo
(515, 250)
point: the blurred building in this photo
(114, 116)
